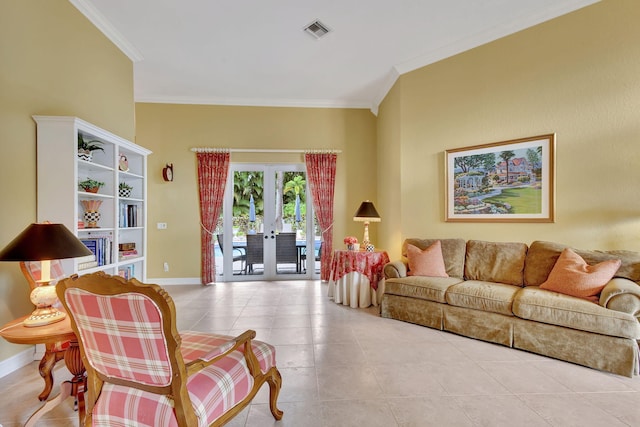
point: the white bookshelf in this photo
(59, 197)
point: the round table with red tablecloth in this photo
(357, 277)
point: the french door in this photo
(268, 229)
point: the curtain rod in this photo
(259, 150)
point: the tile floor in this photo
(349, 367)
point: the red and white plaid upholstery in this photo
(56, 270)
(123, 337)
(213, 391)
(195, 345)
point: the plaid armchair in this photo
(142, 372)
(53, 352)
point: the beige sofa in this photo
(493, 294)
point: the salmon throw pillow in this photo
(428, 262)
(571, 275)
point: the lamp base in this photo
(365, 238)
(44, 316)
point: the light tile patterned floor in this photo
(349, 367)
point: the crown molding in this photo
(255, 102)
(386, 85)
(103, 24)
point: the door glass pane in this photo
(290, 194)
(248, 219)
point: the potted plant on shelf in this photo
(124, 189)
(90, 185)
(86, 148)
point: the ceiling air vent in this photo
(317, 29)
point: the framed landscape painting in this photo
(509, 181)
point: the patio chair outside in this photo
(286, 250)
(255, 251)
(303, 257)
(239, 254)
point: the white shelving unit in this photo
(122, 219)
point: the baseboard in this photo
(175, 281)
(16, 362)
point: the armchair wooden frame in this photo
(105, 285)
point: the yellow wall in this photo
(390, 168)
(54, 62)
(577, 76)
(171, 130)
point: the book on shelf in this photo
(129, 216)
(127, 272)
(86, 262)
(101, 247)
(128, 254)
(126, 246)
(87, 265)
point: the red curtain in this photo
(212, 178)
(321, 173)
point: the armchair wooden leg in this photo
(275, 382)
(45, 368)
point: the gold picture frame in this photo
(508, 181)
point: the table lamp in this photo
(44, 242)
(367, 213)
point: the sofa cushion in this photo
(426, 262)
(485, 296)
(421, 287)
(542, 256)
(453, 251)
(571, 275)
(533, 303)
(495, 262)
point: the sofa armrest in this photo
(395, 269)
(621, 295)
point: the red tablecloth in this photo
(371, 264)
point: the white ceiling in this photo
(255, 52)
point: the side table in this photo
(357, 277)
(16, 333)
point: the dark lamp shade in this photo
(39, 242)
(367, 212)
